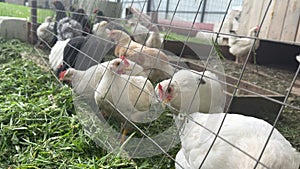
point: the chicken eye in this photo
(118, 64)
(169, 90)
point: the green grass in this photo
(39, 132)
(13, 10)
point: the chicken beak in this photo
(165, 101)
(127, 69)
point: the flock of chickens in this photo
(124, 89)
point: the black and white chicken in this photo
(65, 27)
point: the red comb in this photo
(160, 86)
(62, 75)
(125, 60)
(160, 91)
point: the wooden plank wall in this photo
(282, 22)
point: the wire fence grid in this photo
(163, 131)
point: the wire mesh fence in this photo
(166, 84)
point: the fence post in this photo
(33, 21)
(203, 11)
(167, 9)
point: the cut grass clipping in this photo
(38, 125)
(37, 128)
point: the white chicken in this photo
(139, 31)
(154, 61)
(246, 133)
(131, 95)
(45, 32)
(57, 54)
(191, 91)
(240, 47)
(99, 29)
(154, 40)
(84, 83)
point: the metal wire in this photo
(235, 86)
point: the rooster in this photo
(246, 133)
(240, 47)
(154, 61)
(191, 91)
(131, 95)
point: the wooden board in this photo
(289, 31)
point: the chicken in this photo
(65, 27)
(111, 24)
(60, 13)
(139, 31)
(100, 30)
(154, 61)
(191, 91)
(240, 47)
(84, 83)
(100, 16)
(80, 16)
(71, 52)
(246, 133)
(45, 32)
(130, 95)
(68, 28)
(56, 55)
(154, 40)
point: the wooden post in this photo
(33, 21)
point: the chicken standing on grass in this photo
(84, 83)
(240, 47)
(246, 133)
(131, 95)
(191, 91)
(154, 61)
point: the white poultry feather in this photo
(56, 54)
(240, 47)
(45, 32)
(247, 133)
(131, 95)
(154, 40)
(181, 93)
(68, 28)
(84, 83)
(139, 31)
(100, 30)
